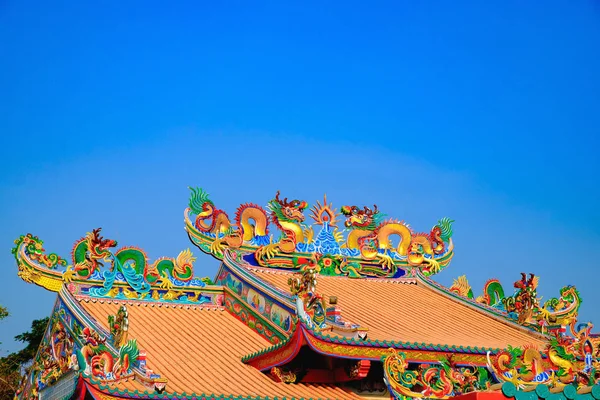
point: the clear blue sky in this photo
(484, 111)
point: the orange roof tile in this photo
(199, 351)
(412, 313)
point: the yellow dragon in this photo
(370, 234)
(251, 225)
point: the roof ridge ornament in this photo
(310, 306)
(524, 306)
(311, 310)
(565, 360)
(101, 272)
(366, 244)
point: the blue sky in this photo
(486, 112)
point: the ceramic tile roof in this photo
(412, 313)
(199, 351)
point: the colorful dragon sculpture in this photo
(371, 235)
(251, 224)
(525, 301)
(310, 306)
(94, 261)
(92, 250)
(369, 244)
(493, 293)
(96, 359)
(565, 360)
(524, 305)
(70, 347)
(55, 357)
(556, 311)
(118, 325)
(440, 381)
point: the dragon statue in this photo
(440, 381)
(310, 306)
(96, 359)
(251, 225)
(131, 261)
(562, 310)
(373, 237)
(289, 218)
(365, 247)
(564, 361)
(118, 325)
(251, 222)
(90, 252)
(493, 293)
(94, 263)
(526, 305)
(55, 357)
(525, 301)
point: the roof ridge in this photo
(152, 304)
(478, 307)
(401, 280)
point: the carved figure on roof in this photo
(118, 325)
(564, 360)
(371, 236)
(462, 287)
(90, 251)
(562, 310)
(288, 216)
(362, 223)
(524, 363)
(368, 250)
(55, 356)
(97, 360)
(305, 283)
(127, 265)
(525, 301)
(310, 306)
(493, 293)
(251, 224)
(220, 226)
(35, 250)
(430, 381)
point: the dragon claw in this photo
(68, 274)
(386, 261)
(434, 266)
(266, 252)
(217, 247)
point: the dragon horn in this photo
(375, 210)
(277, 197)
(96, 233)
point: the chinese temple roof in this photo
(344, 308)
(199, 349)
(389, 310)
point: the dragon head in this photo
(364, 218)
(525, 283)
(284, 210)
(99, 242)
